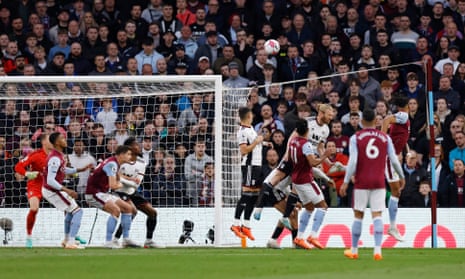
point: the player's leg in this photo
(151, 223)
(127, 209)
(303, 192)
(119, 230)
(245, 199)
(34, 201)
(393, 204)
(273, 179)
(114, 211)
(377, 207)
(360, 203)
(319, 202)
(73, 215)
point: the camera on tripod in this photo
(6, 224)
(187, 228)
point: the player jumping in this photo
(131, 176)
(368, 151)
(399, 130)
(318, 133)
(250, 146)
(303, 158)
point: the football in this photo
(272, 47)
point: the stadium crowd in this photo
(179, 37)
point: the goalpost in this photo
(35, 98)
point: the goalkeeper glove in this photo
(32, 174)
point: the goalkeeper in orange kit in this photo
(31, 167)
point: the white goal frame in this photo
(218, 90)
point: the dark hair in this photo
(369, 115)
(400, 101)
(122, 149)
(301, 127)
(243, 111)
(130, 141)
(54, 137)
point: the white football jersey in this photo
(246, 135)
(316, 133)
(134, 170)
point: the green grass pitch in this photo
(227, 263)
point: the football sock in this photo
(68, 218)
(151, 224)
(75, 223)
(303, 222)
(119, 232)
(126, 220)
(294, 233)
(292, 200)
(392, 206)
(111, 225)
(30, 221)
(378, 232)
(317, 221)
(277, 232)
(241, 204)
(250, 204)
(265, 193)
(356, 232)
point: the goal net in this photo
(185, 125)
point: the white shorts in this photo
(100, 199)
(390, 172)
(373, 198)
(284, 184)
(309, 193)
(60, 200)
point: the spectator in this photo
(168, 186)
(186, 40)
(268, 121)
(180, 57)
(191, 115)
(194, 169)
(81, 65)
(450, 192)
(370, 88)
(353, 126)
(423, 197)
(413, 175)
(148, 55)
(153, 12)
(74, 133)
(97, 141)
(207, 190)
(441, 168)
(235, 80)
(458, 153)
(453, 53)
(271, 161)
(92, 46)
(354, 107)
(168, 21)
(446, 91)
(79, 159)
(56, 65)
(295, 68)
(341, 141)
(335, 171)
